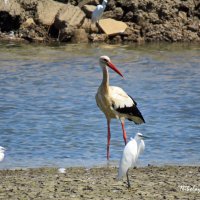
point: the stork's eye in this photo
(105, 60)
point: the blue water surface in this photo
(48, 112)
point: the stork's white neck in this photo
(105, 80)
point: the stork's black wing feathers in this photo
(132, 111)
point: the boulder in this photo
(88, 9)
(80, 36)
(89, 27)
(47, 10)
(153, 18)
(66, 34)
(11, 14)
(69, 15)
(89, 2)
(111, 5)
(115, 14)
(128, 17)
(12, 7)
(98, 37)
(28, 23)
(111, 26)
(182, 16)
(116, 39)
(86, 25)
(193, 27)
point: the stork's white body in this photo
(113, 99)
(114, 102)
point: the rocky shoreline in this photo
(70, 21)
(165, 182)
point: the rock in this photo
(115, 14)
(164, 12)
(193, 27)
(88, 9)
(153, 18)
(80, 36)
(11, 15)
(118, 13)
(86, 25)
(98, 37)
(69, 15)
(116, 39)
(130, 6)
(190, 36)
(47, 10)
(131, 35)
(66, 34)
(89, 27)
(149, 20)
(12, 7)
(183, 16)
(139, 18)
(149, 6)
(94, 28)
(128, 16)
(29, 22)
(89, 2)
(112, 27)
(111, 5)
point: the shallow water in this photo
(49, 117)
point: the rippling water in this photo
(49, 117)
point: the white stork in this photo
(114, 102)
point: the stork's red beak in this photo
(112, 66)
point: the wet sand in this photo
(167, 182)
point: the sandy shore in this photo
(167, 182)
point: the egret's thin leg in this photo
(128, 182)
(124, 132)
(108, 142)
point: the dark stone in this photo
(128, 16)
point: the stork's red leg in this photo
(124, 132)
(108, 142)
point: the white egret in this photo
(132, 151)
(114, 102)
(62, 170)
(2, 155)
(98, 12)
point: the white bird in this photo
(2, 155)
(114, 102)
(98, 12)
(62, 170)
(134, 148)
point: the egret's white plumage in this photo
(98, 12)
(134, 148)
(2, 153)
(62, 170)
(114, 102)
